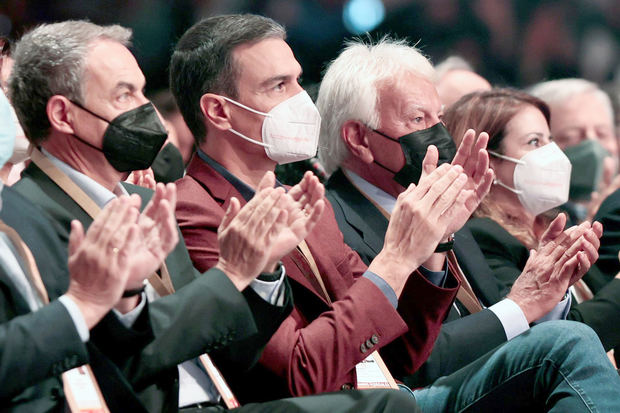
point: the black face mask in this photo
(414, 148)
(132, 139)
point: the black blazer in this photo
(232, 327)
(463, 338)
(609, 215)
(506, 255)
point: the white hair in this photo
(556, 91)
(50, 60)
(449, 64)
(349, 89)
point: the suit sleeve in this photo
(37, 346)
(316, 350)
(609, 215)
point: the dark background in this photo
(511, 42)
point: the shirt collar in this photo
(382, 198)
(246, 191)
(97, 192)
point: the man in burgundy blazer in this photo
(318, 346)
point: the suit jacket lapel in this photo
(359, 212)
(221, 191)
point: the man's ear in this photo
(60, 115)
(355, 136)
(215, 110)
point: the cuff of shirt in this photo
(388, 291)
(559, 312)
(129, 318)
(269, 287)
(76, 316)
(511, 316)
(438, 278)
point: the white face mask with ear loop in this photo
(290, 130)
(541, 178)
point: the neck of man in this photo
(375, 175)
(246, 161)
(84, 159)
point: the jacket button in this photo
(374, 339)
(363, 348)
(346, 386)
(369, 344)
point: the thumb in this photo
(554, 229)
(231, 212)
(429, 163)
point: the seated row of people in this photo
(262, 283)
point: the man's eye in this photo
(418, 119)
(279, 87)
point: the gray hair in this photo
(202, 61)
(349, 89)
(556, 91)
(50, 60)
(451, 63)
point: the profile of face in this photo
(526, 131)
(405, 105)
(111, 87)
(583, 117)
(267, 75)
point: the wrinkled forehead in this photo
(409, 91)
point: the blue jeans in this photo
(557, 366)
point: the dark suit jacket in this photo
(317, 346)
(507, 256)
(461, 339)
(35, 348)
(234, 337)
(609, 215)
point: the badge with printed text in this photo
(372, 373)
(82, 391)
(222, 387)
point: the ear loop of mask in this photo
(239, 134)
(500, 183)
(387, 137)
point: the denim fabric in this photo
(557, 366)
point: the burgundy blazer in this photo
(317, 347)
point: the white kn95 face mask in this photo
(541, 178)
(290, 130)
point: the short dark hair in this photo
(202, 61)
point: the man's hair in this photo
(556, 91)
(451, 63)
(50, 60)
(349, 89)
(203, 62)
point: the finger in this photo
(268, 181)
(297, 191)
(171, 194)
(451, 197)
(569, 269)
(554, 229)
(428, 181)
(76, 236)
(99, 230)
(429, 163)
(485, 184)
(167, 229)
(231, 212)
(481, 166)
(464, 150)
(262, 215)
(444, 191)
(592, 238)
(315, 215)
(567, 239)
(597, 227)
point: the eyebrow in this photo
(127, 85)
(278, 79)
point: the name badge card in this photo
(372, 373)
(82, 392)
(220, 384)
